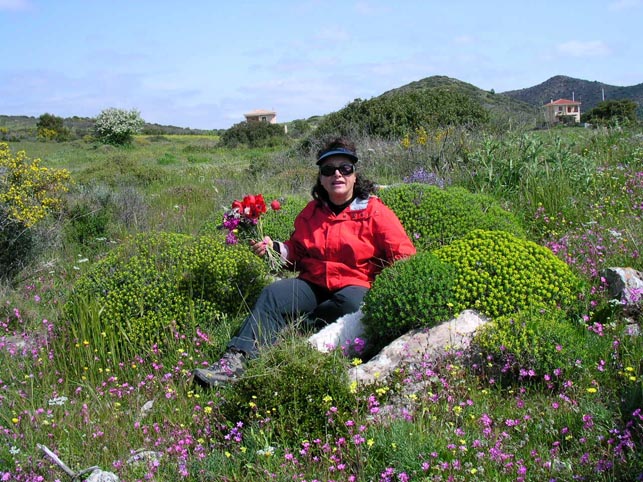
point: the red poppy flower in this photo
(251, 207)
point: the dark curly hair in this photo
(363, 187)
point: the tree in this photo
(118, 126)
(612, 112)
(298, 128)
(254, 134)
(51, 127)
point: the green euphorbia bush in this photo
(411, 293)
(155, 281)
(500, 274)
(434, 217)
(530, 344)
(295, 386)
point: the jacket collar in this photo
(359, 204)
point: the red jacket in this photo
(335, 251)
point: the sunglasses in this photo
(344, 170)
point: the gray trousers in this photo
(283, 302)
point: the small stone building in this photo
(260, 115)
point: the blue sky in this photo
(203, 64)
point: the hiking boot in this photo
(228, 370)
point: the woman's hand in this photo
(259, 247)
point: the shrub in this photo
(434, 217)
(612, 112)
(531, 343)
(254, 134)
(86, 224)
(130, 207)
(411, 293)
(51, 127)
(157, 280)
(167, 159)
(16, 246)
(295, 386)
(118, 126)
(500, 274)
(394, 114)
(29, 192)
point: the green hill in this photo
(497, 105)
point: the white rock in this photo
(625, 284)
(344, 330)
(144, 456)
(102, 476)
(419, 345)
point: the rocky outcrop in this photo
(419, 346)
(625, 285)
(415, 346)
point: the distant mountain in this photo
(588, 93)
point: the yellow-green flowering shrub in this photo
(29, 191)
(434, 216)
(295, 386)
(530, 344)
(411, 293)
(499, 274)
(155, 281)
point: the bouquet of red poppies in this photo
(243, 222)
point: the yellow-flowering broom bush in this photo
(28, 193)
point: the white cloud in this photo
(577, 48)
(15, 5)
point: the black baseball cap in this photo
(337, 151)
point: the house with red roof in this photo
(563, 111)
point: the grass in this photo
(578, 191)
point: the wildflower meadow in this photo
(557, 396)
